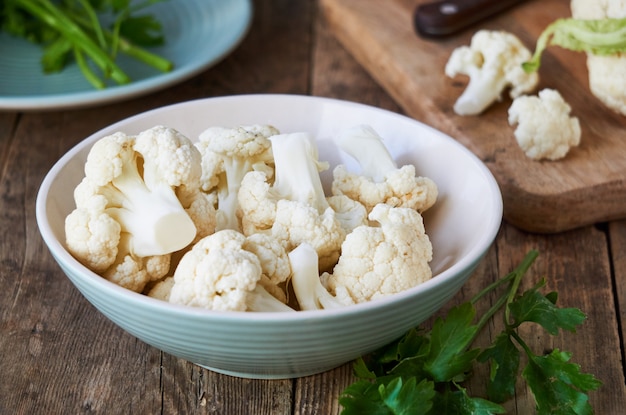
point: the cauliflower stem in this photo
(154, 216)
(307, 286)
(297, 170)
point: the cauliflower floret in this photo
(545, 129)
(93, 235)
(274, 261)
(493, 62)
(350, 213)
(294, 208)
(161, 289)
(218, 273)
(380, 180)
(607, 74)
(377, 261)
(129, 217)
(227, 155)
(133, 272)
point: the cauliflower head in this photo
(493, 62)
(545, 129)
(607, 73)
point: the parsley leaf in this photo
(535, 307)
(558, 386)
(505, 361)
(398, 397)
(459, 402)
(423, 371)
(447, 356)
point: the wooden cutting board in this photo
(588, 186)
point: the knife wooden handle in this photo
(442, 18)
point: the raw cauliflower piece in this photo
(161, 289)
(129, 217)
(218, 273)
(380, 179)
(275, 265)
(227, 155)
(493, 62)
(294, 208)
(607, 73)
(307, 285)
(377, 261)
(545, 129)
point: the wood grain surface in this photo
(587, 186)
(58, 355)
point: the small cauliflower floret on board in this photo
(493, 62)
(545, 129)
(128, 216)
(218, 273)
(380, 179)
(377, 261)
(293, 209)
(227, 155)
(607, 73)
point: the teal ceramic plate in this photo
(199, 33)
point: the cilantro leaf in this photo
(559, 387)
(447, 357)
(535, 307)
(504, 358)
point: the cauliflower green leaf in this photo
(598, 36)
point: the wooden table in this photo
(58, 355)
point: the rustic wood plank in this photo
(582, 284)
(585, 187)
(54, 335)
(617, 234)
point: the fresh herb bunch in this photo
(75, 30)
(423, 372)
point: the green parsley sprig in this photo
(423, 372)
(74, 30)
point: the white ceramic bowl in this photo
(462, 226)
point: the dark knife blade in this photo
(446, 17)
